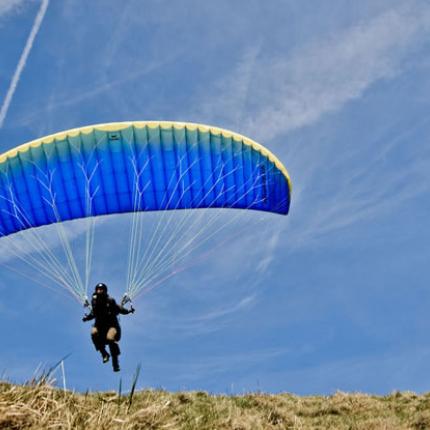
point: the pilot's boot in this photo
(105, 355)
(115, 363)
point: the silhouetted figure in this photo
(106, 329)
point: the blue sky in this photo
(334, 296)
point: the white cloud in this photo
(244, 303)
(290, 92)
(364, 183)
(70, 98)
(7, 6)
(296, 90)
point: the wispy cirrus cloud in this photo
(322, 77)
(7, 6)
(298, 90)
(73, 99)
(294, 91)
(289, 92)
(216, 317)
(365, 183)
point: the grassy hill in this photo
(40, 406)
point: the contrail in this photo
(23, 60)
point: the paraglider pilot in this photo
(106, 328)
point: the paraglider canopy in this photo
(135, 167)
(176, 164)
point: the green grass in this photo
(38, 405)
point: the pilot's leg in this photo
(99, 343)
(111, 337)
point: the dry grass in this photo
(40, 406)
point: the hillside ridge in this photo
(39, 405)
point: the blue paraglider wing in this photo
(136, 166)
